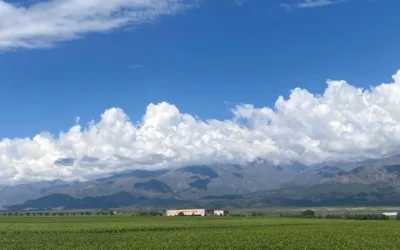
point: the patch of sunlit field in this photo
(133, 232)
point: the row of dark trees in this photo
(311, 214)
(305, 214)
(141, 213)
(357, 216)
(238, 215)
(182, 214)
(148, 213)
(57, 213)
(252, 214)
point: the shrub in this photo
(237, 215)
(333, 216)
(308, 213)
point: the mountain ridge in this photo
(224, 185)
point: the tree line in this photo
(81, 213)
(57, 213)
(148, 213)
(347, 216)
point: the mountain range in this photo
(260, 184)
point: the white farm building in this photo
(390, 213)
(197, 212)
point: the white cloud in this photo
(136, 66)
(312, 3)
(344, 124)
(240, 2)
(43, 23)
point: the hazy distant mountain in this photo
(137, 173)
(20, 193)
(121, 199)
(383, 171)
(314, 175)
(366, 172)
(189, 182)
(332, 194)
(260, 184)
(153, 186)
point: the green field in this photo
(132, 232)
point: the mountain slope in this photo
(257, 184)
(153, 186)
(353, 194)
(20, 193)
(327, 194)
(366, 172)
(189, 182)
(314, 175)
(383, 171)
(121, 199)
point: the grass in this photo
(129, 232)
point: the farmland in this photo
(134, 232)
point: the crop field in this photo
(133, 232)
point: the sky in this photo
(89, 88)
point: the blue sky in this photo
(205, 61)
(195, 60)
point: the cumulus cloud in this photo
(345, 123)
(311, 3)
(43, 23)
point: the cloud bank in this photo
(43, 23)
(345, 123)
